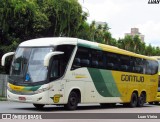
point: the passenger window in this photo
(125, 63)
(97, 59)
(154, 67)
(138, 65)
(85, 62)
(77, 63)
(82, 58)
(112, 61)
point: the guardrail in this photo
(3, 85)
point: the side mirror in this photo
(49, 56)
(5, 56)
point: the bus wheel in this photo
(156, 103)
(72, 101)
(141, 100)
(39, 106)
(151, 103)
(134, 100)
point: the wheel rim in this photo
(142, 98)
(73, 101)
(134, 100)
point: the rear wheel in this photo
(134, 100)
(156, 103)
(39, 106)
(151, 103)
(72, 101)
(141, 100)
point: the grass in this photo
(3, 98)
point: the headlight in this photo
(41, 90)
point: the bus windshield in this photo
(28, 65)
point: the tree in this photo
(113, 42)
(66, 17)
(107, 37)
(92, 30)
(157, 51)
(84, 31)
(136, 44)
(21, 20)
(149, 50)
(127, 42)
(142, 48)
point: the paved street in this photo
(13, 107)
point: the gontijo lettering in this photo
(132, 78)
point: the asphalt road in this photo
(13, 107)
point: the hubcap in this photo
(73, 101)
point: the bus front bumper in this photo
(40, 98)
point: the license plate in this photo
(22, 98)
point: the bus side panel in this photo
(94, 89)
(105, 86)
(136, 82)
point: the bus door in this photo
(57, 82)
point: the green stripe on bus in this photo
(89, 46)
(104, 82)
(32, 88)
(110, 83)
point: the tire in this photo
(134, 100)
(39, 106)
(141, 100)
(151, 103)
(156, 103)
(72, 101)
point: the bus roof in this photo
(53, 41)
(48, 42)
(156, 57)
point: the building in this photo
(102, 24)
(135, 31)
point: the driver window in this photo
(60, 62)
(56, 67)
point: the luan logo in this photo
(153, 1)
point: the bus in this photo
(158, 91)
(68, 71)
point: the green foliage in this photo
(134, 44)
(92, 33)
(65, 16)
(84, 31)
